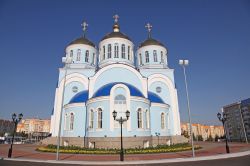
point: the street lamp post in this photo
(16, 120)
(121, 120)
(184, 63)
(157, 134)
(66, 60)
(223, 120)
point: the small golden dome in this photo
(116, 27)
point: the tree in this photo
(185, 134)
(216, 138)
(210, 138)
(200, 138)
(194, 138)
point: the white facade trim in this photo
(71, 105)
(111, 104)
(73, 77)
(173, 96)
(110, 67)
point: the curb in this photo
(138, 162)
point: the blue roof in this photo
(80, 97)
(154, 98)
(105, 90)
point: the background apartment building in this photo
(6, 126)
(238, 120)
(34, 127)
(203, 131)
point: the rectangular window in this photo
(147, 56)
(71, 53)
(87, 56)
(78, 57)
(103, 52)
(139, 118)
(116, 51)
(162, 121)
(100, 119)
(91, 119)
(147, 119)
(155, 56)
(162, 59)
(128, 52)
(71, 125)
(109, 51)
(123, 51)
(140, 59)
(93, 59)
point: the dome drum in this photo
(152, 56)
(116, 50)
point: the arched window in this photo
(123, 51)
(147, 119)
(66, 122)
(120, 99)
(71, 53)
(162, 60)
(103, 52)
(140, 59)
(121, 107)
(139, 118)
(91, 119)
(147, 56)
(99, 118)
(71, 124)
(128, 52)
(116, 50)
(78, 57)
(155, 56)
(109, 51)
(162, 121)
(87, 56)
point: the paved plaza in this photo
(208, 149)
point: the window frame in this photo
(109, 50)
(128, 52)
(123, 51)
(71, 121)
(140, 56)
(147, 119)
(103, 56)
(155, 56)
(99, 118)
(146, 56)
(116, 50)
(163, 121)
(71, 53)
(78, 57)
(139, 119)
(91, 119)
(162, 58)
(87, 56)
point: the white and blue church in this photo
(116, 76)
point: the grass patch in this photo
(80, 150)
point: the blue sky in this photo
(213, 34)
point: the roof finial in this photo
(84, 28)
(116, 17)
(116, 27)
(149, 28)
